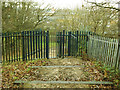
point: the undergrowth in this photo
(110, 73)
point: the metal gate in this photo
(67, 44)
(29, 45)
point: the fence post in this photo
(23, 52)
(118, 56)
(63, 42)
(69, 43)
(47, 45)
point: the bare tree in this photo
(17, 16)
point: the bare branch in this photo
(44, 17)
(101, 5)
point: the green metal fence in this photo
(29, 45)
(26, 45)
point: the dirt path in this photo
(58, 74)
(63, 73)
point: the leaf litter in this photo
(22, 71)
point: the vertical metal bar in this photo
(57, 41)
(6, 46)
(44, 44)
(51, 48)
(69, 43)
(77, 40)
(82, 45)
(31, 43)
(33, 46)
(56, 45)
(41, 44)
(60, 44)
(47, 45)
(75, 43)
(16, 46)
(23, 48)
(63, 42)
(3, 50)
(11, 48)
(36, 43)
(72, 44)
(19, 45)
(28, 36)
(86, 42)
(78, 43)
(9, 45)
